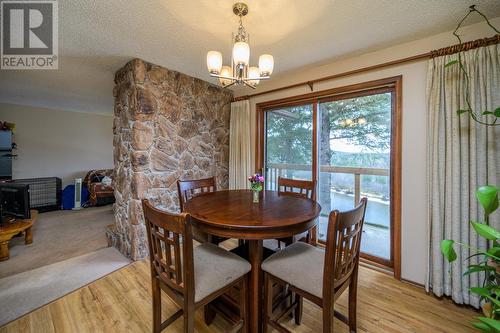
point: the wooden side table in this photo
(10, 229)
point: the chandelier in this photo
(352, 122)
(240, 72)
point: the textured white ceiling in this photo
(98, 37)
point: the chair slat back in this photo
(190, 188)
(343, 245)
(171, 259)
(301, 188)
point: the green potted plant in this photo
(489, 263)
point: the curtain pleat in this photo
(240, 161)
(462, 155)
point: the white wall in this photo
(53, 143)
(414, 162)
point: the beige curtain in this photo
(462, 156)
(240, 145)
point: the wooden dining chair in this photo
(318, 275)
(190, 277)
(304, 189)
(188, 189)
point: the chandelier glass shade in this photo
(240, 72)
(241, 53)
(214, 61)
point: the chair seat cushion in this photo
(300, 265)
(215, 268)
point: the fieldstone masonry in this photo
(167, 126)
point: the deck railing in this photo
(275, 170)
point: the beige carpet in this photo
(24, 292)
(59, 236)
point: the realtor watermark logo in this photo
(29, 34)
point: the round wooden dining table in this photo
(233, 214)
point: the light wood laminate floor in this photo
(121, 302)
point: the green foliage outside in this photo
(374, 135)
(289, 132)
(289, 141)
(289, 136)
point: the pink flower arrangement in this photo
(256, 182)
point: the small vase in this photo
(255, 196)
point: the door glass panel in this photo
(288, 144)
(354, 161)
(377, 236)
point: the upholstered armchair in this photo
(100, 193)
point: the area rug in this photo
(27, 291)
(59, 236)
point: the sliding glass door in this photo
(348, 140)
(354, 157)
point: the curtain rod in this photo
(435, 53)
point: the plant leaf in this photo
(448, 250)
(491, 256)
(483, 327)
(493, 323)
(486, 112)
(485, 231)
(478, 268)
(494, 301)
(477, 254)
(494, 251)
(488, 198)
(483, 292)
(459, 112)
(497, 112)
(451, 63)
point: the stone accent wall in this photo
(167, 126)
